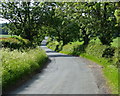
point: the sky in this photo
(3, 20)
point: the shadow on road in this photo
(43, 44)
(50, 52)
(59, 55)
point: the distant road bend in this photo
(63, 75)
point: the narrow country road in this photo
(63, 75)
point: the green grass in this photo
(16, 64)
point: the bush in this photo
(71, 49)
(16, 64)
(94, 49)
(53, 44)
(11, 43)
(15, 43)
(108, 52)
(24, 42)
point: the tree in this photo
(26, 18)
(64, 29)
(81, 15)
(96, 19)
(107, 23)
(89, 19)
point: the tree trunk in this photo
(65, 42)
(86, 38)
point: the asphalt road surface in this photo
(63, 75)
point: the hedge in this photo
(15, 43)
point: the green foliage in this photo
(10, 43)
(108, 52)
(68, 48)
(64, 21)
(15, 43)
(115, 42)
(73, 49)
(62, 29)
(117, 12)
(24, 43)
(116, 57)
(72, 21)
(53, 44)
(3, 29)
(26, 18)
(117, 15)
(16, 64)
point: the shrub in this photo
(108, 52)
(53, 44)
(73, 48)
(24, 42)
(11, 43)
(15, 43)
(16, 64)
(94, 49)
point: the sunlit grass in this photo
(110, 72)
(16, 64)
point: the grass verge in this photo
(110, 72)
(17, 64)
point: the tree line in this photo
(63, 21)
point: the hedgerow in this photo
(15, 43)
